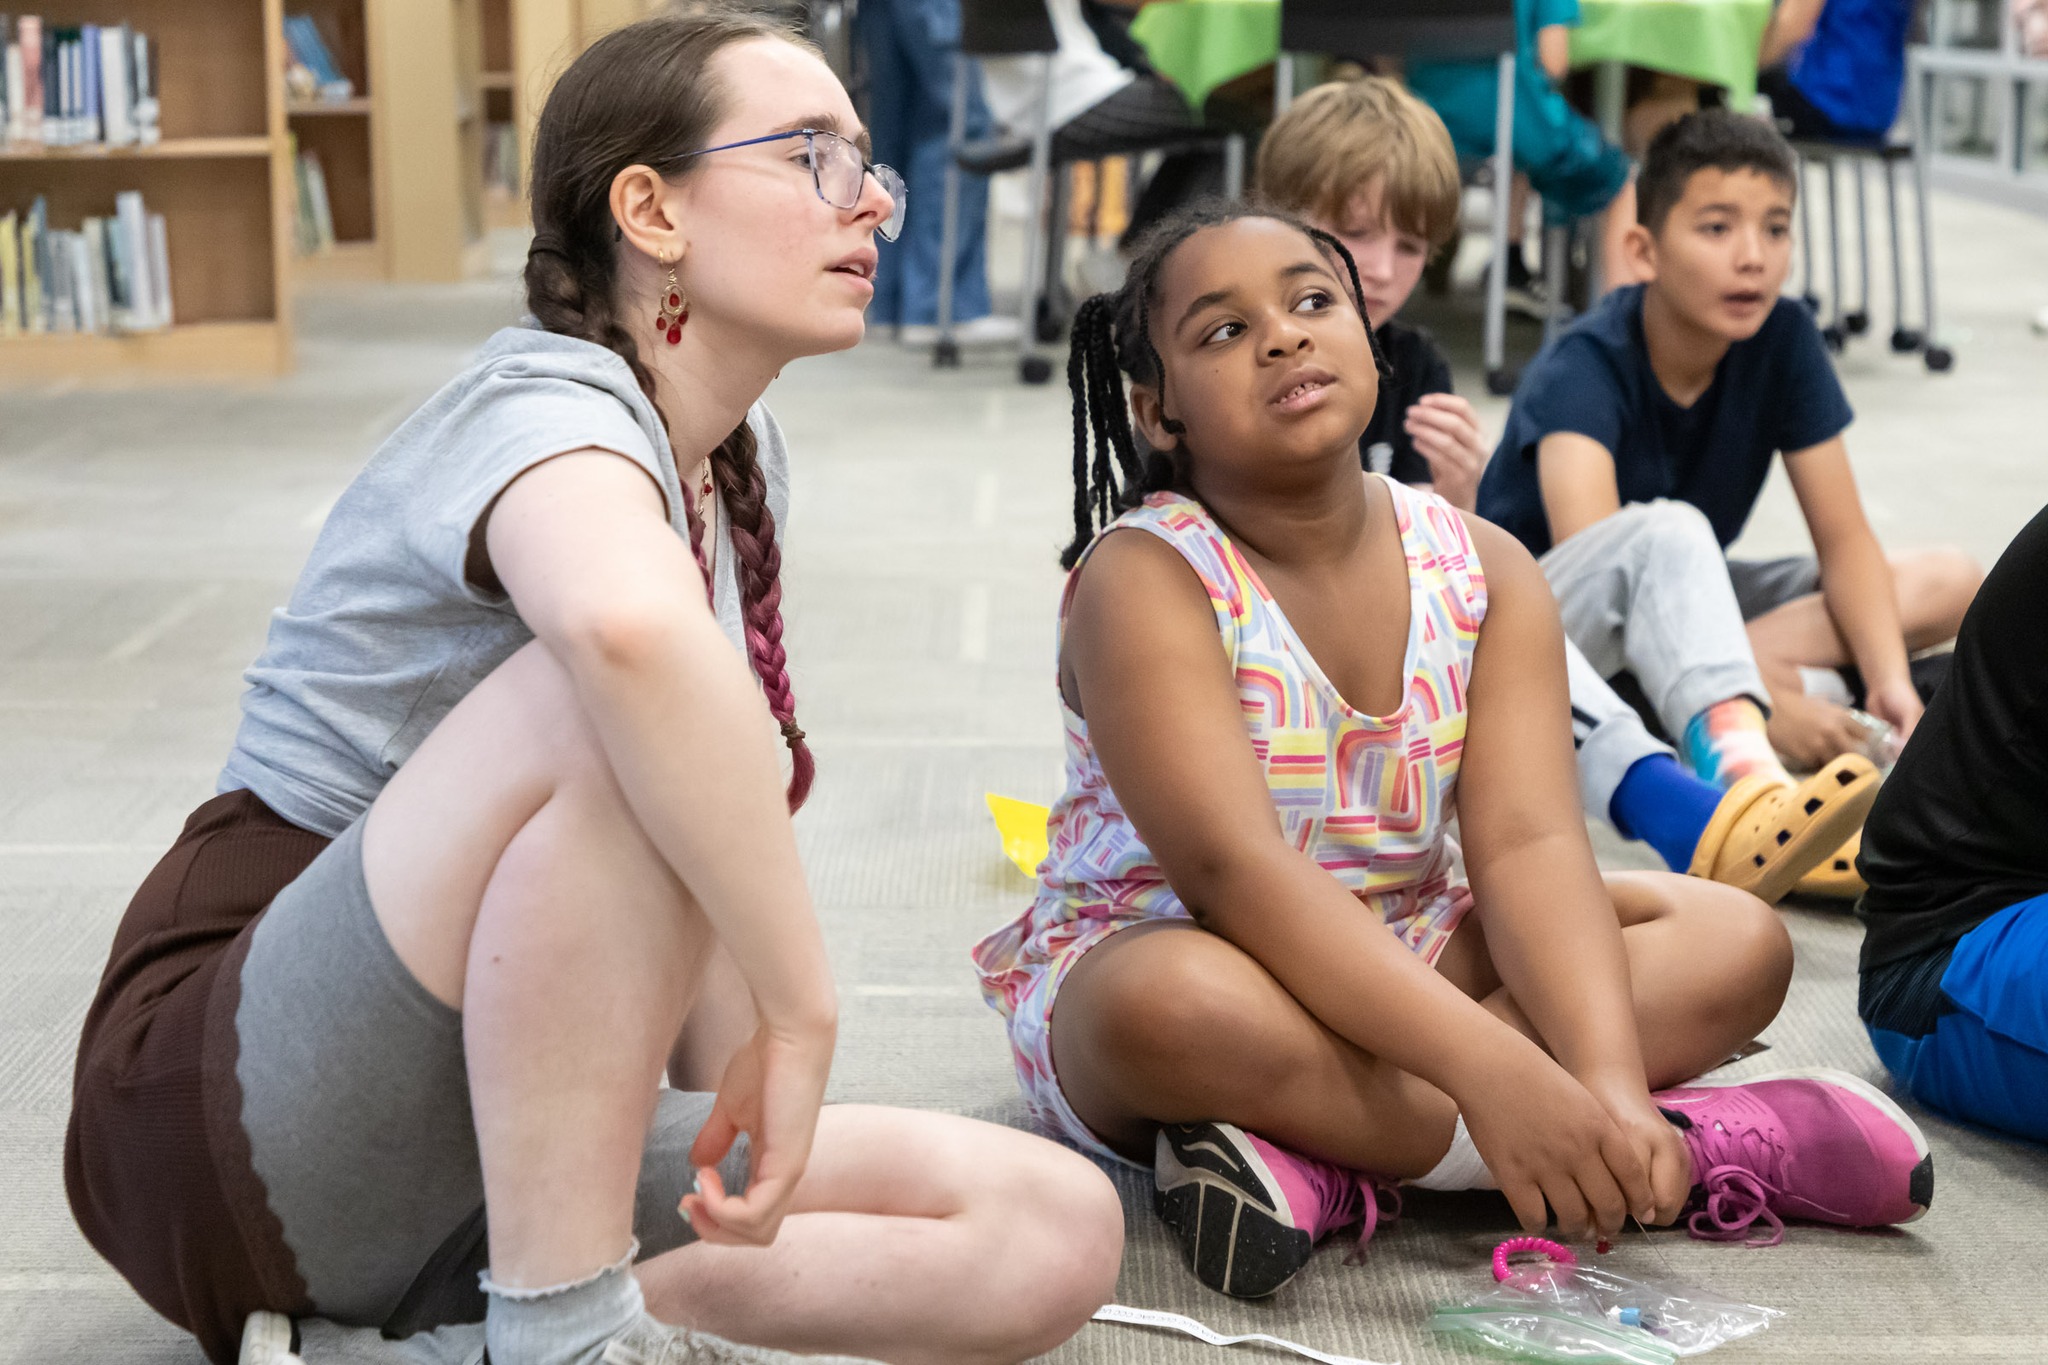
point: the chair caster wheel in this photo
(946, 355)
(1905, 339)
(1035, 369)
(1856, 324)
(1501, 383)
(1835, 337)
(1940, 359)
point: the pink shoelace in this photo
(1743, 1174)
(1345, 1196)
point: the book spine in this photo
(98, 275)
(117, 126)
(28, 38)
(131, 236)
(160, 270)
(10, 274)
(35, 316)
(146, 108)
(92, 106)
(17, 95)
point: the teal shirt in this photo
(1463, 91)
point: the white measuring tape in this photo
(1174, 1322)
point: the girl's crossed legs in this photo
(1168, 1023)
(513, 882)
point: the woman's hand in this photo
(1657, 1143)
(1446, 432)
(1546, 1139)
(771, 1092)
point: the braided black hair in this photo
(1112, 340)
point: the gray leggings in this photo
(355, 1100)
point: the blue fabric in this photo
(1853, 68)
(909, 46)
(1665, 806)
(1986, 1062)
(1561, 151)
(1774, 391)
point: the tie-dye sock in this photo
(1728, 742)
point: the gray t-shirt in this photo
(384, 632)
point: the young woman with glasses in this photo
(504, 835)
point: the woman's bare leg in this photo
(956, 1242)
(515, 884)
(1171, 1024)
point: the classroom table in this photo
(1202, 44)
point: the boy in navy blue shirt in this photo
(1637, 446)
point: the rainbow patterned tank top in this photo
(1370, 798)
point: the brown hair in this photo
(645, 95)
(1337, 138)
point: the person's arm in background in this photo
(1792, 23)
(1576, 476)
(1554, 51)
(1445, 431)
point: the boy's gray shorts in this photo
(1764, 585)
(355, 1101)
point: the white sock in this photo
(1461, 1168)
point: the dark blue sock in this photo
(1665, 806)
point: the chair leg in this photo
(1556, 250)
(1903, 337)
(946, 353)
(1283, 83)
(1938, 357)
(1833, 333)
(1052, 301)
(1806, 294)
(1498, 380)
(1233, 166)
(1032, 366)
(1858, 322)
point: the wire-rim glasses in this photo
(838, 172)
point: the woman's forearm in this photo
(694, 751)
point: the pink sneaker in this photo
(1815, 1144)
(1248, 1213)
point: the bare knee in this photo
(1057, 1226)
(1936, 587)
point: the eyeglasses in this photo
(838, 172)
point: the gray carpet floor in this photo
(145, 535)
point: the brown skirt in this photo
(155, 1161)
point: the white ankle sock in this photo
(562, 1323)
(1461, 1168)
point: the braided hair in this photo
(1112, 341)
(644, 95)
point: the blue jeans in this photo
(909, 46)
(1986, 1059)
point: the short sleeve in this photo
(1574, 389)
(1810, 403)
(503, 427)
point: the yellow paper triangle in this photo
(1021, 827)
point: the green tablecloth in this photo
(1201, 44)
(1714, 41)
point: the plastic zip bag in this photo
(1564, 1311)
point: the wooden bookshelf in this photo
(221, 176)
(340, 133)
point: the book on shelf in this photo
(85, 85)
(109, 275)
(315, 222)
(313, 73)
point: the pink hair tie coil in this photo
(1517, 1246)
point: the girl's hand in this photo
(1546, 1139)
(1445, 430)
(1657, 1143)
(771, 1092)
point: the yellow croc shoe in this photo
(1836, 878)
(1765, 835)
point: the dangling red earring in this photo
(675, 310)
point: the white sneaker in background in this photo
(992, 329)
(267, 1340)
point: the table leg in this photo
(1497, 378)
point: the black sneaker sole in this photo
(1214, 1193)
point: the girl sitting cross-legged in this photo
(1253, 957)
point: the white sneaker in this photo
(267, 1340)
(991, 329)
